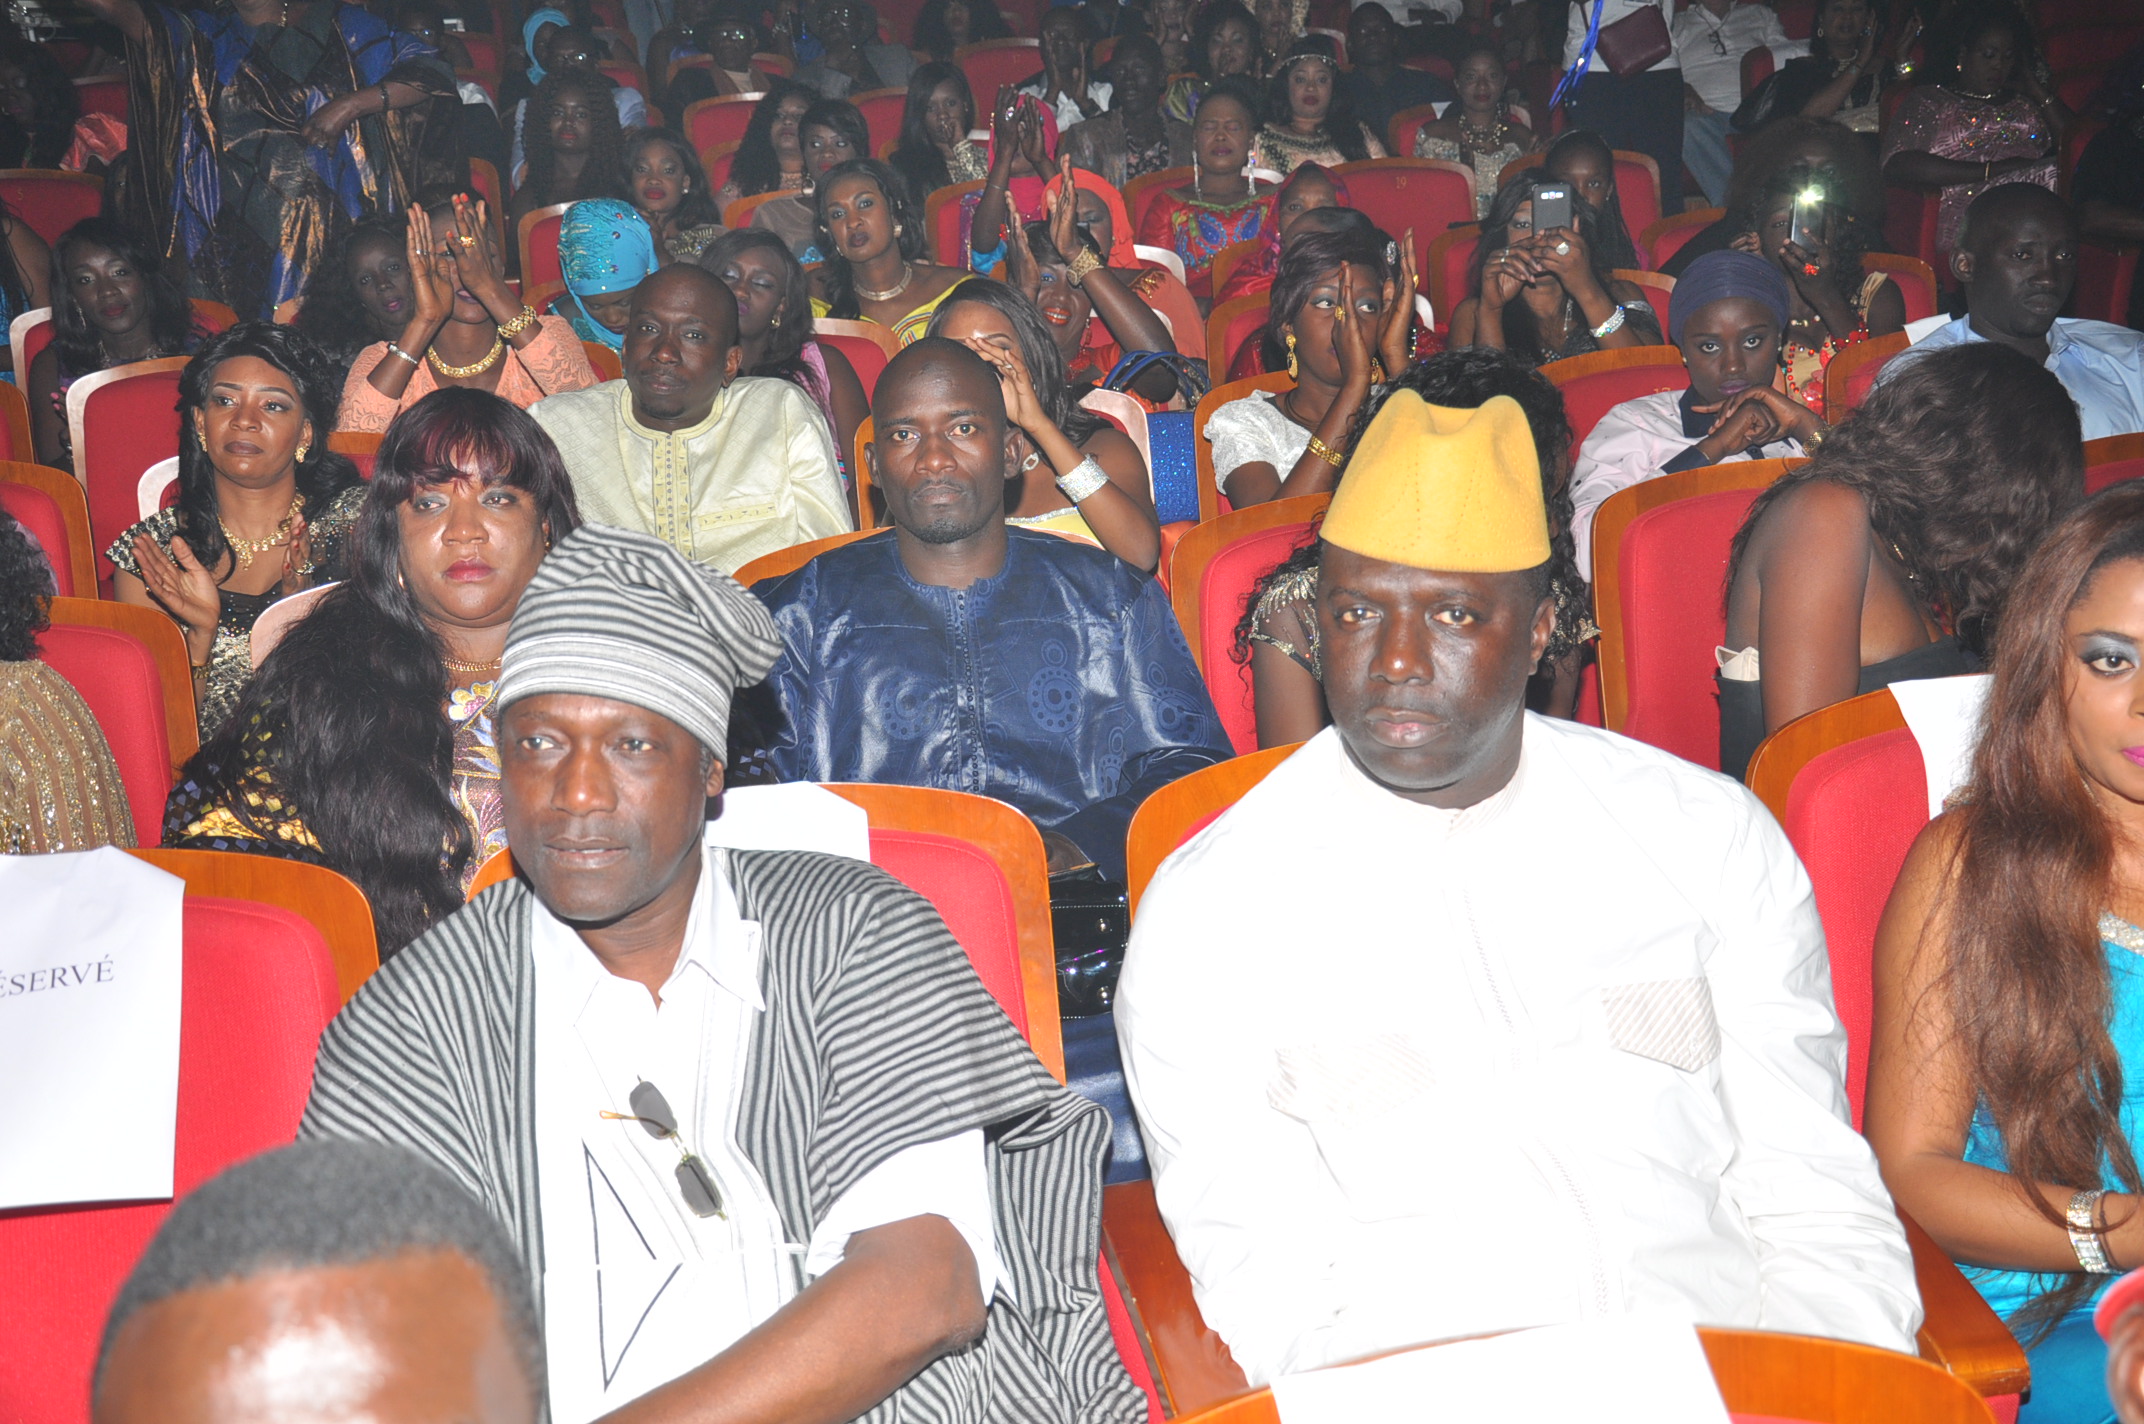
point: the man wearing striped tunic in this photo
(767, 1145)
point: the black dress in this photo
(1742, 703)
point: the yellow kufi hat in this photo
(1436, 488)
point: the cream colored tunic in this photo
(59, 787)
(757, 475)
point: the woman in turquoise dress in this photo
(2007, 1067)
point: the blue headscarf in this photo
(528, 38)
(604, 246)
(1718, 276)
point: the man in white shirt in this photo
(749, 1115)
(722, 468)
(2017, 260)
(1728, 315)
(1066, 84)
(1465, 1019)
(1711, 37)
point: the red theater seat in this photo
(991, 63)
(1212, 573)
(258, 986)
(719, 120)
(1659, 573)
(49, 504)
(1428, 195)
(868, 345)
(2107, 461)
(1599, 381)
(537, 242)
(122, 420)
(51, 200)
(129, 664)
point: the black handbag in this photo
(1090, 920)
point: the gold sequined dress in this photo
(59, 787)
(230, 657)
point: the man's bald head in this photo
(680, 346)
(941, 447)
(2017, 259)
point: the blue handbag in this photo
(1172, 451)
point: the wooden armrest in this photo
(1958, 1329)
(1192, 1366)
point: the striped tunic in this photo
(877, 1037)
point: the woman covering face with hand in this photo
(264, 506)
(467, 495)
(468, 328)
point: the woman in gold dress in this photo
(365, 742)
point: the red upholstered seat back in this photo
(128, 426)
(1637, 189)
(882, 110)
(258, 987)
(50, 201)
(1224, 592)
(2106, 278)
(1909, 224)
(868, 357)
(1587, 398)
(117, 678)
(37, 512)
(542, 265)
(969, 893)
(1852, 814)
(103, 94)
(36, 336)
(1402, 193)
(722, 119)
(1674, 568)
(990, 63)
(2113, 472)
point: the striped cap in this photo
(621, 615)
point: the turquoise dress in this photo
(2069, 1366)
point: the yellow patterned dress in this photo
(59, 788)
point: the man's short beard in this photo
(948, 529)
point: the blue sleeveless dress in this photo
(2069, 1366)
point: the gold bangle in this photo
(519, 324)
(1326, 452)
(1083, 265)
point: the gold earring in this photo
(776, 324)
(1291, 355)
(303, 451)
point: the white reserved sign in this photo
(90, 958)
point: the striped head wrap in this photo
(621, 615)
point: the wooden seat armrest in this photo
(1192, 1366)
(1958, 1329)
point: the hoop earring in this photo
(1291, 356)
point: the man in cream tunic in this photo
(1534, 1025)
(722, 469)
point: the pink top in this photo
(1934, 120)
(552, 362)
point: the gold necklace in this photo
(461, 373)
(456, 665)
(245, 549)
(908, 274)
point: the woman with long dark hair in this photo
(831, 132)
(365, 742)
(774, 329)
(1891, 554)
(665, 183)
(360, 293)
(113, 301)
(575, 146)
(1057, 436)
(264, 506)
(770, 156)
(873, 239)
(1224, 43)
(933, 151)
(1308, 116)
(1543, 296)
(2009, 1025)
(40, 109)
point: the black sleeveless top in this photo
(1742, 703)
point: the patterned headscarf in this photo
(604, 246)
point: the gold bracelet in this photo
(1326, 452)
(1083, 265)
(519, 324)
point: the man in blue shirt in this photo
(2017, 258)
(956, 652)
